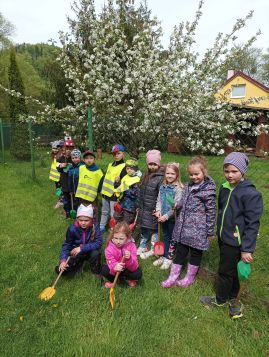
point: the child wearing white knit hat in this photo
(83, 241)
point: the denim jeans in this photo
(167, 228)
(146, 235)
(107, 212)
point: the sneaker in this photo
(59, 204)
(108, 285)
(158, 262)
(166, 264)
(236, 309)
(211, 301)
(131, 283)
(146, 255)
(141, 250)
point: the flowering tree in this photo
(139, 93)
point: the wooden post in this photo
(262, 144)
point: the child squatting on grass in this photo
(169, 196)
(83, 242)
(121, 256)
(239, 210)
(194, 226)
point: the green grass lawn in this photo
(147, 321)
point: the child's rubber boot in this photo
(190, 276)
(132, 283)
(173, 276)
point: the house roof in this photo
(248, 78)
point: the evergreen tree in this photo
(19, 146)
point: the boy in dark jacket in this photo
(63, 164)
(73, 174)
(83, 241)
(240, 209)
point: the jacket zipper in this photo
(222, 219)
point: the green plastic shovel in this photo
(73, 212)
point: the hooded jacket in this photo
(73, 175)
(83, 238)
(240, 209)
(114, 255)
(196, 220)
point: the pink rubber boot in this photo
(190, 276)
(174, 274)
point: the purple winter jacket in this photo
(196, 220)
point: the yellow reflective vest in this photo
(54, 173)
(88, 183)
(111, 174)
(126, 182)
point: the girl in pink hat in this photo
(149, 190)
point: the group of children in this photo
(186, 213)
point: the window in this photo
(238, 91)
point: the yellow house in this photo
(240, 89)
(245, 92)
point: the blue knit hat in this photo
(237, 159)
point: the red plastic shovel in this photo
(132, 225)
(159, 246)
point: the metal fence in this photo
(39, 138)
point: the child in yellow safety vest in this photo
(54, 174)
(127, 193)
(89, 181)
(115, 172)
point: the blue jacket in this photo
(240, 209)
(73, 174)
(78, 237)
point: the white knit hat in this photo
(86, 211)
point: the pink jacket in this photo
(114, 255)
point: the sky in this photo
(39, 20)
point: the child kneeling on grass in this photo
(240, 209)
(83, 243)
(121, 256)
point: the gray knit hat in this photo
(237, 159)
(75, 153)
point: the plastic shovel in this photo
(112, 297)
(58, 192)
(73, 212)
(159, 246)
(132, 225)
(243, 271)
(49, 292)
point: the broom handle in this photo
(117, 274)
(159, 231)
(59, 275)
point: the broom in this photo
(49, 292)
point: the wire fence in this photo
(37, 147)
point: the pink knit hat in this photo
(153, 157)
